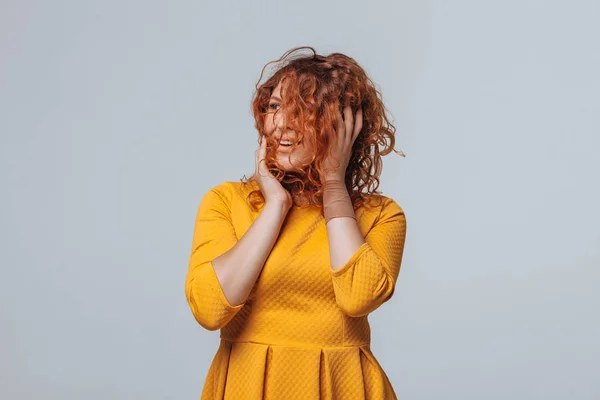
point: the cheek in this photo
(269, 123)
(306, 153)
(308, 148)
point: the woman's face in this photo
(275, 126)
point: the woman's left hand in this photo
(341, 149)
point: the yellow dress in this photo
(303, 332)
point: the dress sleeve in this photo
(368, 279)
(213, 235)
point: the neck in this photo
(301, 199)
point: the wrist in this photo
(279, 206)
(331, 177)
(336, 200)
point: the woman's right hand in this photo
(271, 188)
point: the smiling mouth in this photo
(289, 145)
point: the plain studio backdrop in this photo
(118, 116)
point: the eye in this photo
(273, 105)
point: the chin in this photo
(289, 171)
(285, 164)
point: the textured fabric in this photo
(303, 332)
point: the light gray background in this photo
(117, 117)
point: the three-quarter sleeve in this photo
(368, 278)
(214, 235)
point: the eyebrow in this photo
(276, 98)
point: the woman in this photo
(289, 263)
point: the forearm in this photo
(343, 232)
(344, 239)
(238, 268)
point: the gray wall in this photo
(117, 116)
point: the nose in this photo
(279, 120)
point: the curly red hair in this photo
(316, 88)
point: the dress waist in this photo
(297, 344)
(302, 331)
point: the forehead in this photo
(277, 91)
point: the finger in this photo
(358, 124)
(341, 127)
(258, 155)
(262, 151)
(348, 121)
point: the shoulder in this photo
(379, 204)
(392, 215)
(222, 199)
(391, 206)
(223, 189)
(232, 191)
(220, 193)
(217, 197)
